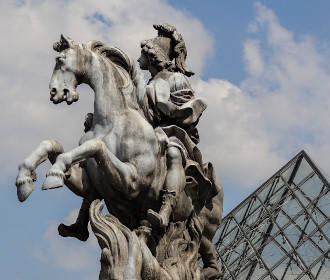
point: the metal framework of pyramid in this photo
(282, 230)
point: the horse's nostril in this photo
(53, 91)
(66, 92)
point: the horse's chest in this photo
(87, 136)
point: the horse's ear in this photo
(64, 43)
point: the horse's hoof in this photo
(53, 180)
(155, 219)
(24, 189)
(73, 231)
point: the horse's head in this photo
(68, 71)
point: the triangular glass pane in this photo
(325, 270)
(312, 187)
(259, 271)
(301, 221)
(240, 214)
(268, 278)
(244, 273)
(256, 239)
(232, 256)
(230, 238)
(293, 234)
(324, 204)
(218, 233)
(321, 241)
(276, 197)
(279, 271)
(277, 184)
(293, 270)
(235, 267)
(291, 208)
(282, 219)
(316, 215)
(255, 203)
(303, 170)
(271, 254)
(264, 193)
(308, 252)
(287, 173)
(249, 251)
(282, 241)
(252, 218)
(316, 268)
(309, 227)
(302, 198)
(260, 237)
(274, 229)
(232, 224)
(326, 229)
(306, 277)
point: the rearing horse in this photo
(120, 157)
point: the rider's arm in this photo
(162, 92)
(140, 84)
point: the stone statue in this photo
(139, 155)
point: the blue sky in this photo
(263, 68)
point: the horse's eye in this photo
(59, 59)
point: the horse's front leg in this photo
(123, 175)
(26, 171)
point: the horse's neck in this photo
(109, 102)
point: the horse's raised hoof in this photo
(74, 230)
(24, 189)
(156, 220)
(54, 179)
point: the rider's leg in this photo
(80, 228)
(79, 183)
(174, 185)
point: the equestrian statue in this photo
(139, 155)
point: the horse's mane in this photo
(115, 55)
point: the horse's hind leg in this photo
(211, 269)
(26, 174)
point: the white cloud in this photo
(282, 106)
(232, 136)
(67, 253)
(253, 59)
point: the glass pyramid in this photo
(282, 230)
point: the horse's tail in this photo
(125, 254)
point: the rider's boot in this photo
(79, 229)
(161, 219)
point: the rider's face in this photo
(143, 61)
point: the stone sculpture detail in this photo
(139, 155)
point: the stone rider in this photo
(171, 107)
